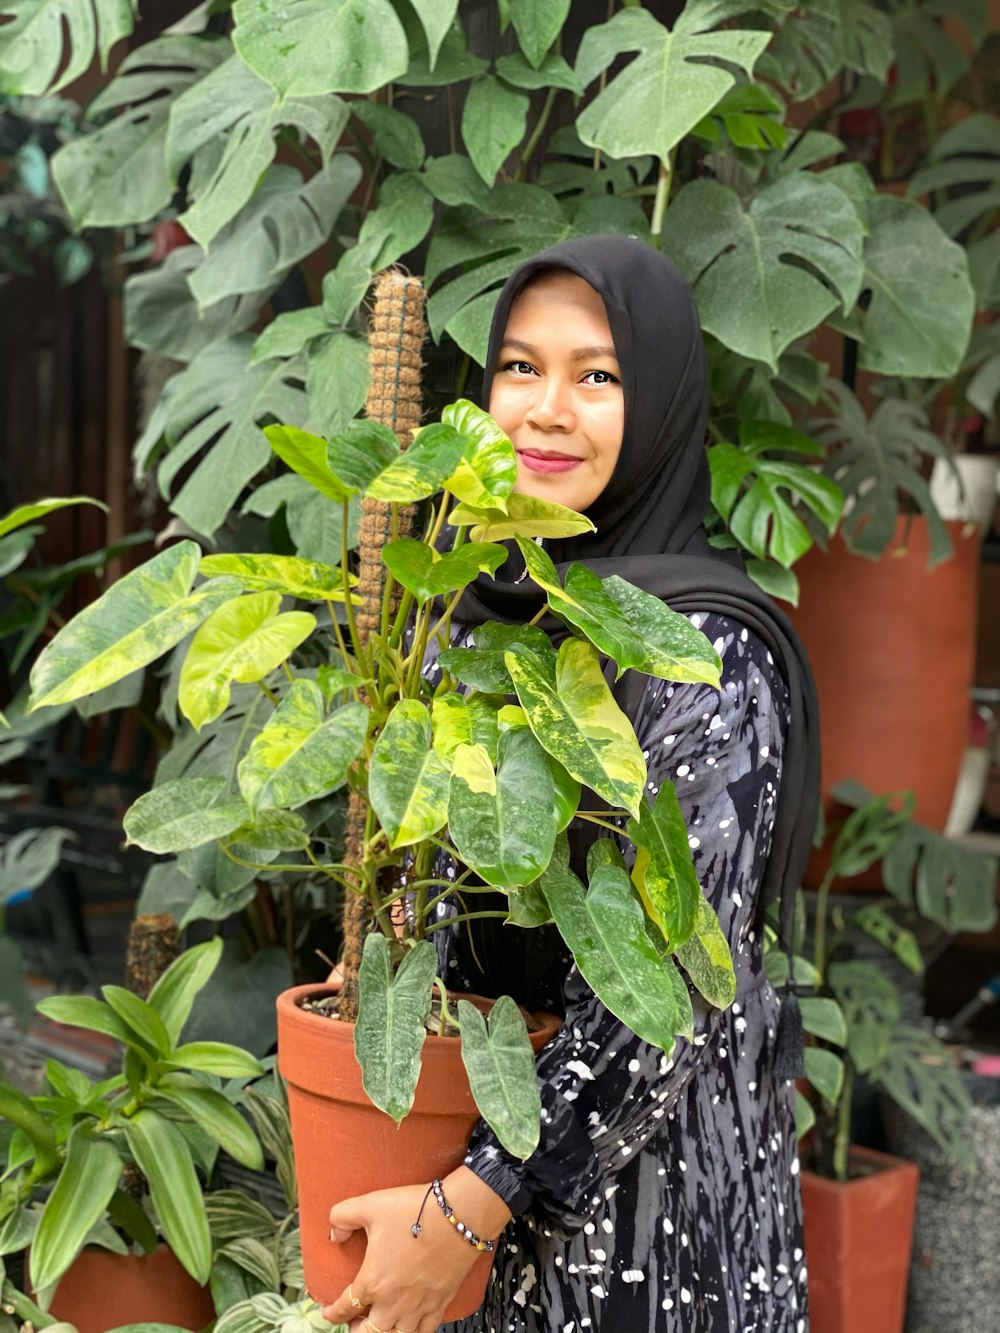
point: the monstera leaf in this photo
(675, 81)
(917, 1071)
(213, 411)
(766, 274)
(233, 107)
(931, 58)
(33, 46)
(118, 175)
(820, 39)
(305, 48)
(965, 163)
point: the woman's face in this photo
(557, 393)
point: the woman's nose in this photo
(551, 407)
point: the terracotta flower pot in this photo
(892, 645)
(344, 1146)
(101, 1290)
(858, 1236)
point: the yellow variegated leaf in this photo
(526, 516)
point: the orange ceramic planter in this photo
(101, 1290)
(344, 1146)
(858, 1237)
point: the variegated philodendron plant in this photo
(450, 766)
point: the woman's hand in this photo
(406, 1282)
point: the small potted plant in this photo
(114, 1165)
(444, 766)
(859, 1204)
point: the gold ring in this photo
(373, 1328)
(358, 1305)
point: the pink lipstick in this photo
(541, 460)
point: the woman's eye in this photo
(519, 367)
(601, 377)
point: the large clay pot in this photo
(892, 645)
(858, 1236)
(101, 1290)
(344, 1146)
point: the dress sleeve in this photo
(604, 1090)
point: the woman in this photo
(664, 1192)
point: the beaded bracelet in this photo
(466, 1232)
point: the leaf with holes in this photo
(36, 46)
(870, 1003)
(918, 1072)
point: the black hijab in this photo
(649, 521)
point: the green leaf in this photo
(525, 516)
(666, 879)
(823, 1018)
(395, 136)
(825, 1071)
(217, 1057)
(676, 80)
(86, 1183)
(493, 124)
(552, 72)
(217, 1117)
(868, 833)
(176, 990)
(815, 42)
(308, 47)
(870, 1003)
(488, 471)
(37, 47)
(541, 570)
(341, 467)
(919, 319)
(426, 573)
(141, 1017)
(805, 1116)
(390, 1032)
(290, 333)
(139, 618)
(501, 1066)
(503, 822)
(163, 1156)
(917, 1072)
(117, 176)
(794, 256)
(573, 713)
(423, 469)
(307, 580)
(408, 780)
(244, 640)
(41, 508)
(483, 667)
(606, 931)
(403, 218)
(337, 379)
(234, 115)
(301, 754)
(705, 957)
(184, 813)
(952, 885)
(37, 1133)
(538, 23)
(213, 409)
(436, 18)
(453, 62)
(876, 922)
(636, 629)
(83, 1011)
(528, 907)
(270, 832)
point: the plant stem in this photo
(352, 625)
(464, 916)
(660, 199)
(536, 133)
(601, 823)
(842, 1143)
(819, 945)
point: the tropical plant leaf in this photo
(301, 754)
(870, 1003)
(36, 47)
(213, 411)
(143, 1020)
(538, 23)
(951, 885)
(501, 1066)
(794, 255)
(423, 469)
(426, 573)
(483, 667)
(605, 929)
(243, 640)
(817, 41)
(919, 319)
(825, 1071)
(573, 713)
(390, 1030)
(917, 1072)
(706, 958)
(408, 781)
(962, 173)
(524, 516)
(306, 48)
(823, 1018)
(663, 872)
(176, 990)
(488, 471)
(216, 1116)
(876, 922)
(436, 18)
(875, 461)
(41, 509)
(142, 616)
(117, 175)
(503, 821)
(186, 812)
(29, 857)
(306, 580)
(493, 124)
(931, 58)
(236, 109)
(551, 72)
(163, 1156)
(85, 1185)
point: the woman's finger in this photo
(350, 1305)
(347, 1217)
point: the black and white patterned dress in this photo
(664, 1195)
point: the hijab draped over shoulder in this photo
(649, 518)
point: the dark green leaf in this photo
(501, 1068)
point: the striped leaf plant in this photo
(476, 769)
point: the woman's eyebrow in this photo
(579, 354)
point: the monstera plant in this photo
(465, 774)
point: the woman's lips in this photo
(542, 461)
